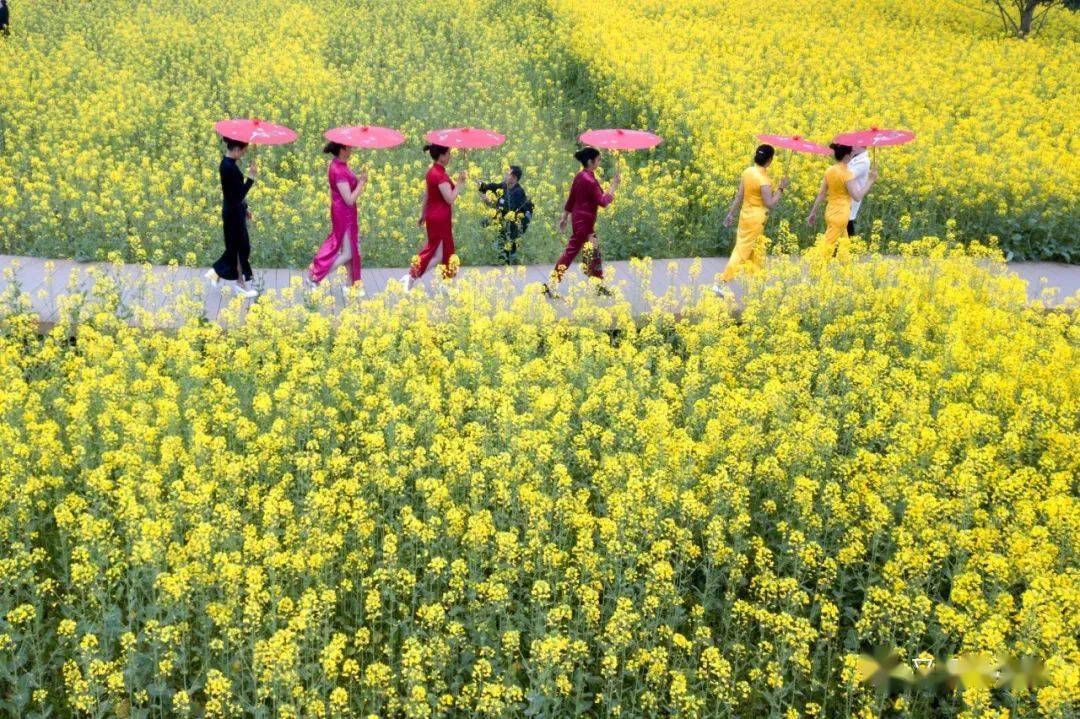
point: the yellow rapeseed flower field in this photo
(494, 506)
(476, 508)
(998, 133)
(107, 112)
(106, 146)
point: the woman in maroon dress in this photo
(440, 193)
(585, 199)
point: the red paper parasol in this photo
(795, 143)
(255, 132)
(616, 139)
(370, 137)
(466, 138)
(874, 137)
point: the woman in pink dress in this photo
(342, 246)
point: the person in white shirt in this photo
(859, 165)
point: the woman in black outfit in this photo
(233, 264)
(4, 17)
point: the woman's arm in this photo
(735, 203)
(451, 193)
(817, 203)
(235, 186)
(563, 220)
(771, 198)
(603, 199)
(857, 192)
(253, 171)
(350, 195)
(423, 208)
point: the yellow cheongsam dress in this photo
(749, 252)
(837, 207)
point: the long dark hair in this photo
(763, 154)
(436, 151)
(840, 151)
(231, 144)
(333, 148)
(586, 155)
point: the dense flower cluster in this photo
(996, 122)
(107, 109)
(475, 507)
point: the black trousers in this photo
(851, 228)
(4, 20)
(507, 242)
(237, 249)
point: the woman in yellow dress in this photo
(756, 198)
(839, 187)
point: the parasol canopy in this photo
(255, 132)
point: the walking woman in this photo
(233, 265)
(839, 187)
(436, 213)
(753, 200)
(583, 203)
(342, 246)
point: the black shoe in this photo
(603, 291)
(548, 292)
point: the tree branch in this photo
(1040, 20)
(1006, 18)
(977, 7)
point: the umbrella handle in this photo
(620, 162)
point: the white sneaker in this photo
(308, 284)
(212, 277)
(724, 291)
(247, 292)
(407, 282)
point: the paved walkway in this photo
(46, 282)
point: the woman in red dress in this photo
(440, 193)
(586, 197)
